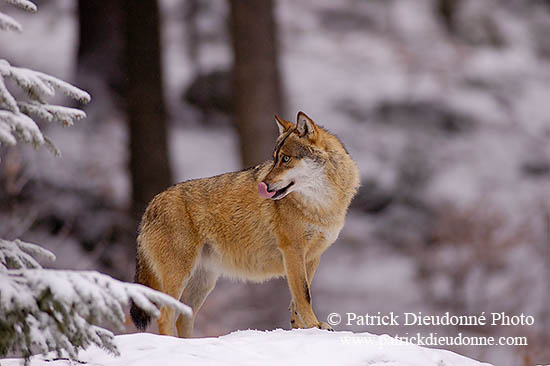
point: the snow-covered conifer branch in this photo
(16, 121)
(7, 23)
(6, 136)
(66, 88)
(7, 101)
(27, 80)
(24, 4)
(64, 115)
(57, 311)
(18, 254)
(21, 127)
(16, 117)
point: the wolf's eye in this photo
(286, 158)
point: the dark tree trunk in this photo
(101, 46)
(447, 9)
(257, 84)
(257, 96)
(149, 162)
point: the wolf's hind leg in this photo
(166, 320)
(199, 286)
(172, 284)
(175, 273)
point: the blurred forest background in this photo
(444, 104)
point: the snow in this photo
(252, 347)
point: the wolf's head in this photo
(299, 160)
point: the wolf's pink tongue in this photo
(262, 191)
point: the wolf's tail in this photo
(144, 276)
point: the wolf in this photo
(271, 220)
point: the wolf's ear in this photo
(305, 126)
(282, 124)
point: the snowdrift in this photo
(252, 347)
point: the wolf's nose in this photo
(263, 192)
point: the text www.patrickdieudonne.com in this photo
(433, 338)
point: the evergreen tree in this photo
(44, 310)
(17, 116)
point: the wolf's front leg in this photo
(295, 268)
(295, 321)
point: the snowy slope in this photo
(278, 347)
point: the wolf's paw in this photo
(295, 321)
(325, 326)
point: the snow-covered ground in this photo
(252, 347)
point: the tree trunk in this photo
(149, 162)
(257, 84)
(101, 47)
(447, 10)
(257, 96)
